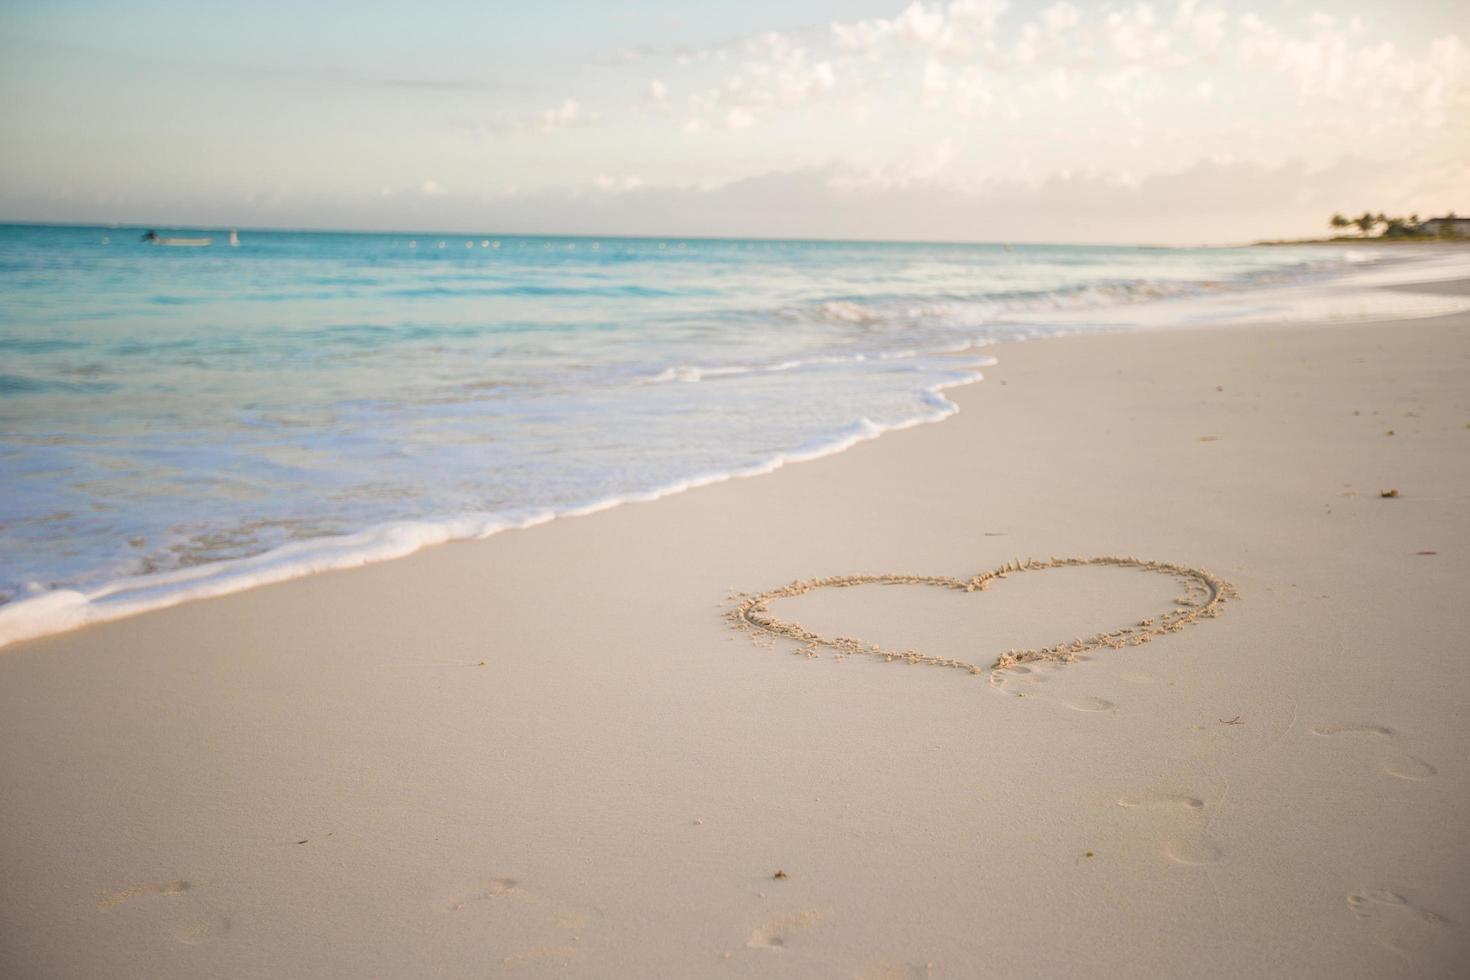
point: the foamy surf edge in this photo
(63, 610)
(694, 373)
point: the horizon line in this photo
(18, 222)
(222, 228)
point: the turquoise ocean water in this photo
(179, 421)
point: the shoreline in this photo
(546, 754)
(1450, 240)
(68, 608)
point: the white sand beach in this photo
(548, 754)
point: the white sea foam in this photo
(1384, 267)
(64, 609)
(1040, 302)
(690, 373)
(844, 311)
(693, 373)
(61, 610)
(1342, 302)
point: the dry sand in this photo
(547, 754)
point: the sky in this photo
(962, 120)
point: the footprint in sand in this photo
(1162, 801)
(895, 971)
(1401, 767)
(538, 954)
(189, 921)
(1089, 704)
(1190, 846)
(483, 890)
(1352, 730)
(1409, 767)
(1019, 682)
(206, 927)
(1019, 677)
(777, 933)
(113, 899)
(551, 928)
(1198, 850)
(1397, 923)
(510, 892)
(1084, 704)
(1026, 682)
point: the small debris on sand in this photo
(780, 875)
(1233, 721)
(1388, 493)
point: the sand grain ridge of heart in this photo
(1204, 594)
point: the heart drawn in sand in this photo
(1204, 594)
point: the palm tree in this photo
(1365, 222)
(1338, 221)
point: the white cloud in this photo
(865, 36)
(739, 117)
(778, 74)
(568, 113)
(979, 15)
(933, 83)
(952, 31)
(922, 26)
(1136, 35)
(1060, 18)
(609, 183)
(1060, 82)
(1389, 88)
(1203, 22)
(925, 166)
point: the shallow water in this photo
(310, 400)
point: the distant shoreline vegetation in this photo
(1450, 228)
